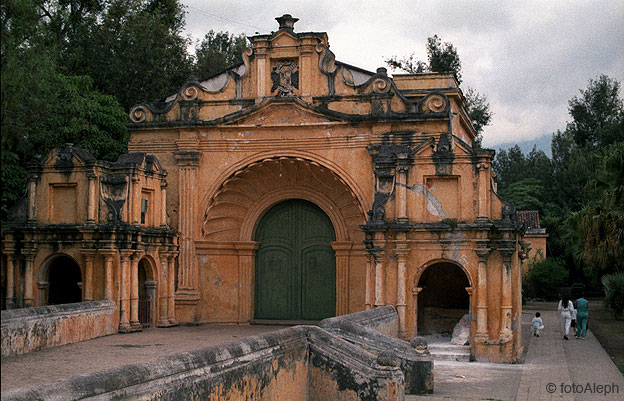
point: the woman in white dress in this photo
(566, 310)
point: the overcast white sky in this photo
(528, 57)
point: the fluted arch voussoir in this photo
(237, 205)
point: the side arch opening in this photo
(443, 299)
(64, 281)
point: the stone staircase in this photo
(441, 349)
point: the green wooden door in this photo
(295, 263)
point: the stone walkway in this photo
(59, 363)
(549, 360)
(554, 369)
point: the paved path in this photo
(551, 367)
(59, 363)
(549, 359)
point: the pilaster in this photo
(401, 252)
(342, 249)
(188, 162)
(29, 255)
(89, 256)
(246, 262)
(483, 253)
(9, 251)
(506, 306)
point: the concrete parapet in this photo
(383, 319)
(415, 363)
(294, 364)
(30, 329)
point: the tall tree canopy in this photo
(217, 51)
(582, 198)
(443, 57)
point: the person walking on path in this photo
(565, 310)
(582, 315)
(537, 325)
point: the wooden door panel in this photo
(318, 286)
(274, 299)
(295, 263)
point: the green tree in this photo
(597, 115)
(42, 108)
(136, 51)
(443, 57)
(218, 51)
(526, 194)
(600, 223)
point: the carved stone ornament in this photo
(285, 77)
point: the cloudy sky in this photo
(528, 57)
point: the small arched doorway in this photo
(64, 281)
(295, 276)
(443, 298)
(147, 293)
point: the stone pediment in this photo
(284, 38)
(67, 158)
(280, 112)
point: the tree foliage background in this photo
(579, 191)
(71, 70)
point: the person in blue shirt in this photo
(582, 315)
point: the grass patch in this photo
(608, 331)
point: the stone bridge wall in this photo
(383, 319)
(31, 329)
(293, 364)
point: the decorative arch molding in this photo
(258, 209)
(433, 262)
(313, 158)
(47, 262)
(238, 203)
(151, 273)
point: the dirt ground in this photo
(608, 331)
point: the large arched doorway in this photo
(295, 275)
(443, 299)
(64, 281)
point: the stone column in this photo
(171, 303)
(134, 290)
(342, 249)
(165, 276)
(484, 191)
(10, 277)
(506, 306)
(188, 161)
(246, 263)
(380, 282)
(415, 292)
(163, 204)
(91, 199)
(108, 272)
(124, 302)
(401, 252)
(88, 255)
(135, 203)
(32, 197)
(368, 299)
(29, 254)
(482, 308)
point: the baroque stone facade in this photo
(302, 187)
(416, 221)
(93, 230)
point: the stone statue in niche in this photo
(285, 77)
